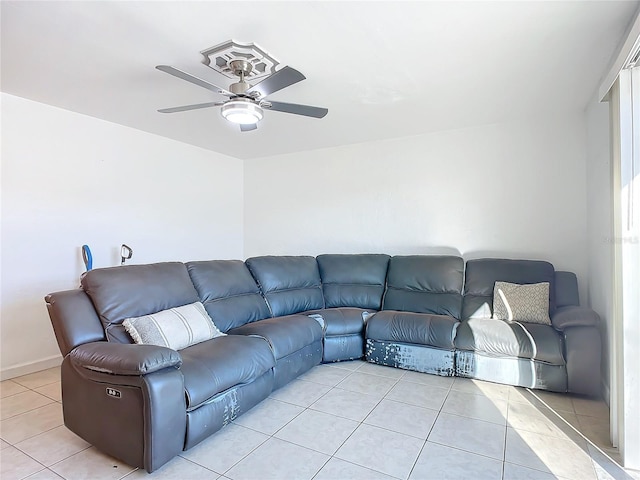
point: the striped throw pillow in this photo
(176, 328)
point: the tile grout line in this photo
(504, 448)
(272, 436)
(14, 445)
(397, 380)
(44, 467)
(37, 434)
(360, 423)
(548, 407)
(65, 458)
(52, 400)
(431, 429)
(30, 410)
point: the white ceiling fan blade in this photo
(185, 108)
(279, 80)
(297, 109)
(192, 79)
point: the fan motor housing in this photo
(239, 88)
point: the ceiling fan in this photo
(246, 102)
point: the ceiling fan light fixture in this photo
(243, 112)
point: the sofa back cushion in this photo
(482, 274)
(567, 289)
(136, 290)
(425, 284)
(289, 284)
(229, 293)
(353, 280)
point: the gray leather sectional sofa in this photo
(282, 315)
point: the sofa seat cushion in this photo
(341, 321)
(286, 335)
(497, 338)
(417, 328)
(216, 365)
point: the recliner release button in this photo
(112, 392)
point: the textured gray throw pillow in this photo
(176, 328)
(521, 303)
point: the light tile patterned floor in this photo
(342, 421)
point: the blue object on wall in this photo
(86, 257)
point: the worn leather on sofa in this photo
(429, 287)
(190, 393)
(414, 341)
(282, 315)
(520, 353)
(352, 287)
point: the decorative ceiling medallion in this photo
(218, 57)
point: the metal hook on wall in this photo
(126, 252)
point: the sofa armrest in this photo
(573, 316)
(123, 359)
(138, 418)
(583, 355)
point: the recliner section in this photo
(239, 307)
(353, 286)
(516, 353)
(413, 341)
(416, 328)
(213, 367)
(343, 332)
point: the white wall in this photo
(69, 179)
(515, 190)
(600, 224)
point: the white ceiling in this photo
(383, 69)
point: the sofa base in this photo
(295, 364)
(519, 372)
(583, 351)
(420, 358)
(126, 416)
(221, 410)
(342, 348)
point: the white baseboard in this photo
(30, 367)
